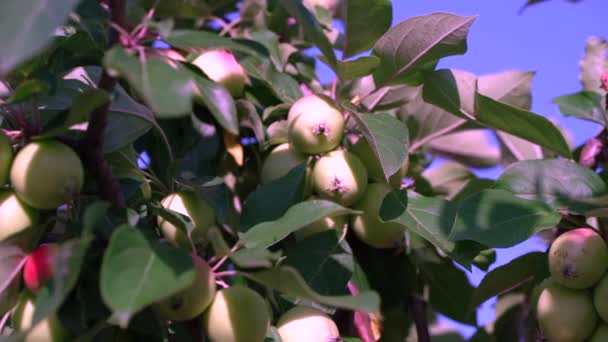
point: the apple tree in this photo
(177, 171)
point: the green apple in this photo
(339, 176)
(279, 162)
(191, 302)
(306, 324)
(578, 258)
(189, 204)
(600, 297)
(368, 227)
(565, 315)
(45, 174)
(600, 334)
(48, 330)
(18, 222)
(6, 157)
(335, 223)
(314, 125)
(363, 150)
(222, 67)
(237, 314)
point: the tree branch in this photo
(362, 321)
(418, 309)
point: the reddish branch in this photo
(362, 321)
(91, 147)
(418, 309)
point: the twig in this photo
(362, 321)
(418, 309)
(226, 274)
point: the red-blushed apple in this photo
(306, 324)
(564, 314)
(335, 223)
(48, 329)
(578, 258)
(39, 266)
(189, 204)
(279, 162)
(600, 334)
(339, 176)
(368, 226)
(46, 173)
(222, 67)
(191, 302)
(18, 222)
(237, 314)
(6, 157)
(314, 125)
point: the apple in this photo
(335, 223)
(363, 150)
(190, 204)
(222, 67)
(8, 297)
(306, 324)
(578, 258)
(339, 176)
(237, 314)
(192, 301)
(314, 125)
(39, 265)
(600, 297)
(600, 334)
(368, 227)
(46, 173)
(6, 157)
(18, 222)
(564, 314)
(48, 330)
(279, 162)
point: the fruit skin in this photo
(578, 258)
(363, 150)
(600, 297)
(47, 330)
(306, 324)
(38, 268)
(565, 314)
(368, 227)
(18, 222)
(237, 314)
(190, 204)
(222, 67)
(340, 176)
(6, 157)
(314, 125)
(335, 223)
(600, 334)
(46, 173)
(279, 162)
(192, 301)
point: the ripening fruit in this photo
(363, 150)
(18, 222)
(340, 176)
(8, 297)
(237, 314)
(314, 125)
(45, 174)
(39, 266)
(279, 162)
(368, 227)
(600, 334)
(565, 315)
(306, 324)
(600, 297)
(6, 157)
(222, 67)
(47, 330)
(192, 301)
(578, 258)
(335, 223)
(190, 204)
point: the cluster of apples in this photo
(573, 306)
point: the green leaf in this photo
(186, 39)
(255, 258)
(521, 123)
(277, 132)
(288, 281)
(528, 268)
(12, 259)
(585, 104)
(359, 67)
(219, 102)
(512, 87)
(180, 8)
(453, 90)
(496, 218)
(594, 64)
(470, 147)
(168, 91)
(364, 22)
(554, 181)
(312, 29)
(412, 45)
(387, 136)
(449, 178)
(298, 216)
(515, 149)
(93, 215)
(27, 90)
(68, 262)
(137, 272)
(283, 86)
(27, 27)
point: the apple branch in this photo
(91, 147)
(418, 309)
